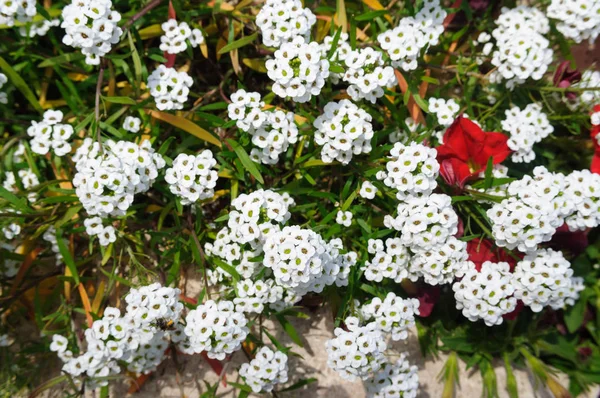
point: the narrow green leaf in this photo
(137, 62)
(238, 43)
(488, 173)
(289, 329)
(334, 67)
(227, 268)
(334, 43)
(368, 16)
(61, 59)
(20, 84)
(299, 384)
(66, 254)
(120, 100)
(246, 161)
(19, 203)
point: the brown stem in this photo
(147, 8)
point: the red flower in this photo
(595, 133)
(466, 151)
(428, 296)
(564, 77)
(482, 250)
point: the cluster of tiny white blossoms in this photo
(3, 96)
(272, 131)
(299, 70)
(526, 127)
(193, 178)
(169, 88)
(173, 41)
(367, 74)
(266, 370)
(357, 352)
(280, 21)
(412, 170)
(91, 26)
(589, 79)
(393, 315)
(50, 237)
(301, 260)
(389, 262)
(216, 328)
(50, 133)
(545, 278)
(344, 218)
(498, 171)
(340, 53)
(108, 178)
(94, 227)
(399, 380)
(535, 208)
(136, 337)
(39, 28)
(424, 222)
(11, 231)
(132, 124)
(405, 42)
(28, 178)
(522, 51)
(343, 130)
(17, 11)
(441, 264)
(368, 190)
(486, 294)
(445, 111)
(583, 190)
(578, 20)
(8, 267)
(253, 296)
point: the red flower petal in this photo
(428, 296)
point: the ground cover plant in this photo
(428, 167)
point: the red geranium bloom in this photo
(482, 250)
(564, 77)
(467, 149)
(595, 167)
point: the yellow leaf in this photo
(185, 125)
(376, 5)
(235, 61)
(77, 77)
(220, 44)
(243, 4)
(85, 300)
(151, 31)
(257, 64)
(204, 49)
(340, 17)
(98, 297)
(225, 174)
(227, 7)
(153, 208)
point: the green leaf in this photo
(227, 268)
(574, 315)
(19, 203)
(120, 100)
(66, 254)
(368, 16)
(289, 329)
(238, 43)
(349, 201)
(137, 62)
(61, 59)
(185, 125)
(334, 67)
(488, 173)
(299, 384)
(20, 84)
(246, 161)
(334, 43)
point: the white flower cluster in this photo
(93, 227)
(357, 352)
(526, 127)
(340, 53)
(583, 190)
(132, 124)
(8, 267)
(169, 88)
(280, 21)
(3, 96)
(107, 180)
(16, 11)
(535, 208)
(216, 328)
(589, 79)
(176, 33)
(344, 218)
(367, 74)
(301, 260)
(298, 70)
(92, 26)
(193, 178)
(50, 133)
(39, 28)
(343, 130)
(266, 370)
(393, 315)
(391, 262)
(445, 111)
(577, 19)
(405, 42)
(398, 380)
(498, 171)
(136, 338)
(368, 190)
(486, 294)
(50, 237)
(545, 278)
(424, 222)
(440, 264)
(253, 296)
(13, 229)
(272, 131)
(522, 51)
(28, 180)
(412, 170)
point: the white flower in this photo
(107, 236)
(578, 20)
(266, 370)
(526, 127)
(367, 74)
(49, 134)
(583, 190)
(169, 88)
(445, 111)
(17, 11)
(344, 218)
(282, 20)
(367, 190)
(173, 41)
(393, 315)
(193, 178)
(441, 264)
(391, 262)
(132, 124)
(399, 379)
